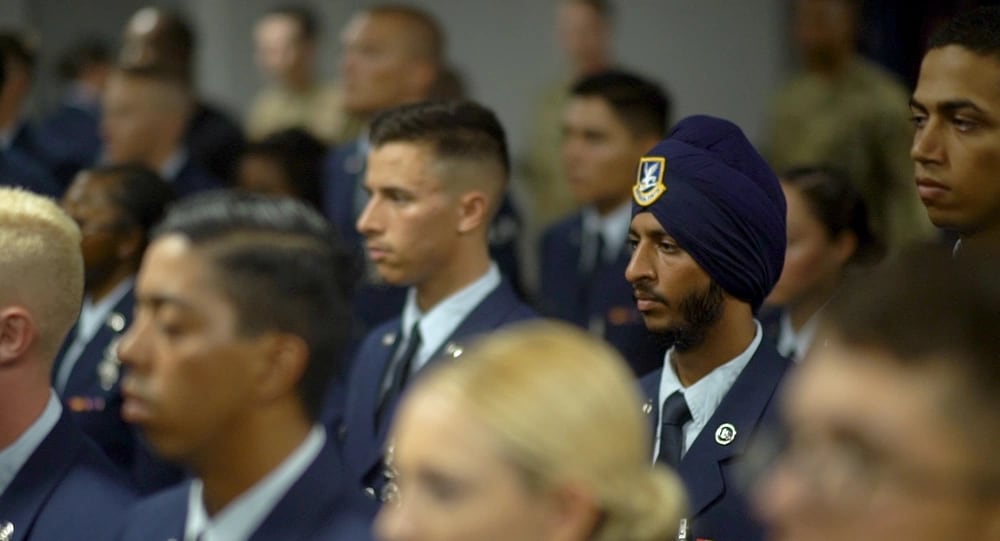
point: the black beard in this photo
(701, 311)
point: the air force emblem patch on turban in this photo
(649, 182)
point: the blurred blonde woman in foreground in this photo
(534, 434)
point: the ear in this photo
(574, 513)
(844, 246)
(473, 211)
(284, 362)
(17, 333)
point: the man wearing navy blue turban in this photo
(708, 243)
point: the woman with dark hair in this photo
(829, 236)
(288, 162)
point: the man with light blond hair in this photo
(52, 479)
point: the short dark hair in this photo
(642, 105)
(304, 17)
(284, 269)
(87, 52)
(455, 129)
(17, 47)
(141, 195)
(928, 310)
(977, 30)
(178, 34)
(838, 206)
(300, 157)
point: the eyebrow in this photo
(948, 106)
(159, 300)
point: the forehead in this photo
(90, 189)
(174, 268)
(381, 28)
(868, 394)
(277, 27)
(953, 73)
(592, 111)
(402, 164)
(433, 429)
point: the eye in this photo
(668, 247)
(631, 244)
(918, 120)
(963, 125)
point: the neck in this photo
(803, 309)
(299, 82)
(98, 292)
(724, 341)
(985, 240)
(607, 206)
(832, 67)
(462, 272)
(26, 393)
(244, 454)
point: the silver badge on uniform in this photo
(453, 350)
(109, 369)
(116, 321)
(647, 408)
(388, 339)
(725, 434)
(6, 531)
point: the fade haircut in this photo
(458, 130)
(282, 266)
(303, 17)
(427, 40)
(977, 30)
(936, 314)
(641, 105)
(41, 264)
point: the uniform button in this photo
(370, 492)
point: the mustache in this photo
(645, 291)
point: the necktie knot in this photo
(672, 418)
(675, 410)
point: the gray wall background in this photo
(722, 57)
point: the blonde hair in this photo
(565, 408)
(41, 265)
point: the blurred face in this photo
(377, 69)
(138, 122)
(824, 30)
(453, 483)
(280, 49)
(813, 261)
(190, 373)
(104, 228)
(411, 221)
(956, 146)
(261, 174)
(873, 455)
(583, 34)
(674, 295)
(599, 153)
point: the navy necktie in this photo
(398, 372)
(675, 413)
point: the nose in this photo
(132, 347)
(638, 268)
(391, 524)
(368, 223)
(927, 145)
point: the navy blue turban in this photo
(714, 194)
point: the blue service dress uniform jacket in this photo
(66, 490)
(601, 299)
(363, 438)
(316, 507)
(717, 490)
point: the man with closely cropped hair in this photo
(436, 176)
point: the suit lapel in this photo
(743, 408)
(85, 378)
(363, 399)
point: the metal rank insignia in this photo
(6, 531)
(109, 369)
(453, 350)
(388, 339)
(117, 322)
(647, 408)
(725, 434)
